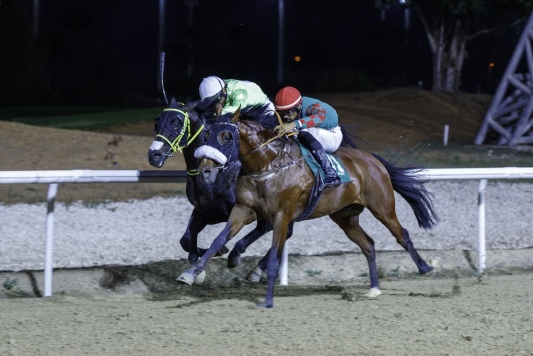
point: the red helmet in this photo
(287, 98)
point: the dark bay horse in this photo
(275, 186)
(182, 127)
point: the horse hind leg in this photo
(351, 227)
(390, 220)
(422, 265)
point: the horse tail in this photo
(405, 183)
(348, 138)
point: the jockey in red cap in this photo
(317, 124)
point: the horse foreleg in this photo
(189, 240)
(274, 257)
(239, 217)
(255, 274)
(234, 258)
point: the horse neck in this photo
(258, 160)
(188, 152)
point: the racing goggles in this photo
(289, 115)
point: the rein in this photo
(175, 145)
(271, 139)
(256, 148)
(266, 174)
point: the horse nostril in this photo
(206, 173)
(154, 155)
(155, 158)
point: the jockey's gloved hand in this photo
(285, 128)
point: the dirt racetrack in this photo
(421, 316)
(323, 310)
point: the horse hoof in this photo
(373, 293)
(186, 278)
(265, 305)
(199, 279)
(427, 270)
(222, 251)
(254, 277)
(234, 261)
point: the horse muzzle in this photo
(209, 170)
(156, 158)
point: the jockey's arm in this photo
(313, 116)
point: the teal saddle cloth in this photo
(317, 169)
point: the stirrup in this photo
(332, 181)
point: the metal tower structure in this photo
(510, 112)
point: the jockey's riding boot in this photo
(320, 156)
(332, 179)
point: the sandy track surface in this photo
(425, 315)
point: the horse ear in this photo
(172, 101)
(236, 115)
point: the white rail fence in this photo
(55, 177)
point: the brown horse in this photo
(276, 186)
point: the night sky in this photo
(128, 30)
(119, 41)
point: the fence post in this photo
(49, 245)
(481, 225)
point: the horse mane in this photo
(196, 108)
(205, 106)
(256, 113)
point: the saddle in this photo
(319, 174)
(317, 169)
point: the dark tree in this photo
(450, 24)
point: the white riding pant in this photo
(329, 139)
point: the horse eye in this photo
(225, 138)
(178, 125)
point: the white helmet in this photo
(211, 86)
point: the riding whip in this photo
(162, 70)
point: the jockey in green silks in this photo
(229, 94)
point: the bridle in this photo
(232, 154)
(181, 141)
(236, 147)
